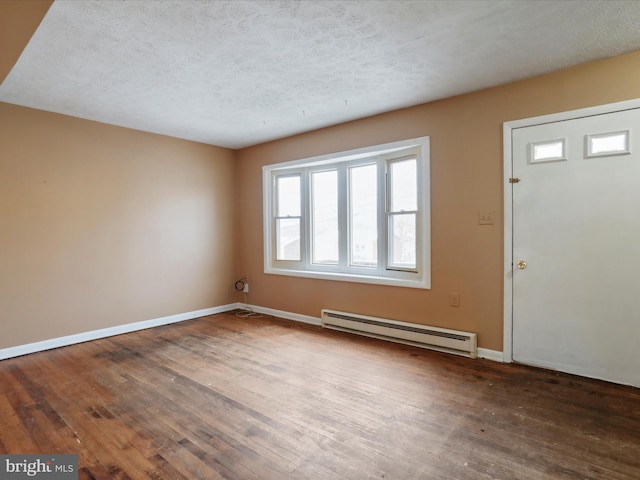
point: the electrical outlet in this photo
(245, 289)
(486, 218)
(454, 299)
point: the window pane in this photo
(288, 191)
(617, 142)
(402, 244)
(548, 151)
(324, 208)
(288, 239)
(363, 193)
(404, 186)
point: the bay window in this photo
(360, 216)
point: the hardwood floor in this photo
(229, 398)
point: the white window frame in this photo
(420, 277)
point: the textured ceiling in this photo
(236, 73)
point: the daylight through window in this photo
(357, 216)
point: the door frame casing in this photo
(507, 129)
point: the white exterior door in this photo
(576, 246)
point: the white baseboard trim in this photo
(20, 350)
(109, 332)
(481, 352)
(494, 355)
(286, 315)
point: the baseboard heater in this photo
(434, 338)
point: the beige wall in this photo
(18, 20)
(102, 226)
(466, 176)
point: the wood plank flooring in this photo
(224, 397)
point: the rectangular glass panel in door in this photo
(324, 217)
(363, 215)
(608, 144)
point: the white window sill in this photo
(407, 281)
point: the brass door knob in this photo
(522, 264)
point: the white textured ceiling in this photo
(236, 73)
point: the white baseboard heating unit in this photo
(434, 338)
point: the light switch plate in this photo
(454, 299)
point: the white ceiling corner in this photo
(236, 73)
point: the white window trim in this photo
(420, 279)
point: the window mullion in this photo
(305, 222)
(418, 214)
(383, 217)
(274, 216)
(343, 217)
